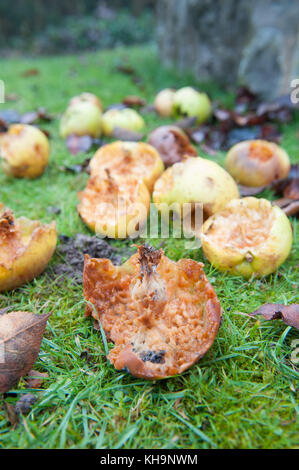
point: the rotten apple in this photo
(164, 102)
(81, 118)
(257, 162)
(249, 237)
(26, 247)
(126, 159)
(87, 97)
(114, 208)
(161, 315)
(189, 102)
(125, 118)
(25, 151)
(194, 180)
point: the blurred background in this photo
(254, 42)
(68, 26)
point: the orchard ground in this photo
(242, 394)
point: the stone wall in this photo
(255, 42)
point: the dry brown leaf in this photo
(21, 334)
(289, 314)
(126, 135)
(134, 101)
(25, 403)
(35, 378)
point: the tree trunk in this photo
(255, 42)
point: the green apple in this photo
(189, 102)
(194, 180)
(87, 97)
(125, 118)
(25, 151)
(249, 237)
(81, 118)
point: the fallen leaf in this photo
(40, 114)
(250, 190)
(126, 69)
(292, 209)
(25, 403)
(79, 168)
(12, 97)
(30, 72)
(186, 123)
(76, 144)
(35, 378)
(289, 314)
(120, 133)
(133, 101)
(150, 108)
(21, 334)
(10, 116)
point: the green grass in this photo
(242, 394)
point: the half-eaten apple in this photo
(162, 316)
(127, 159)
(114, 208)
(249, 237)
(26, 247)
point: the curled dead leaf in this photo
(21, 335)
(35, 378)
(289, 314)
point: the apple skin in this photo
(164, 102)
(87, 97)
(257, 162)
(25, 151)
(259, 260)
(195, 180)
(81, 118)
(189, 102)
(125, 118)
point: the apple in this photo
(189, 102)
(195, 180)
(249, 237)
(81, 118)
(87, 97)
(114, 207)
(25, 151)
(125, 118)
(164, 102)
(127, 159)
(161, 315)
(257, 162)
(26, 247)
